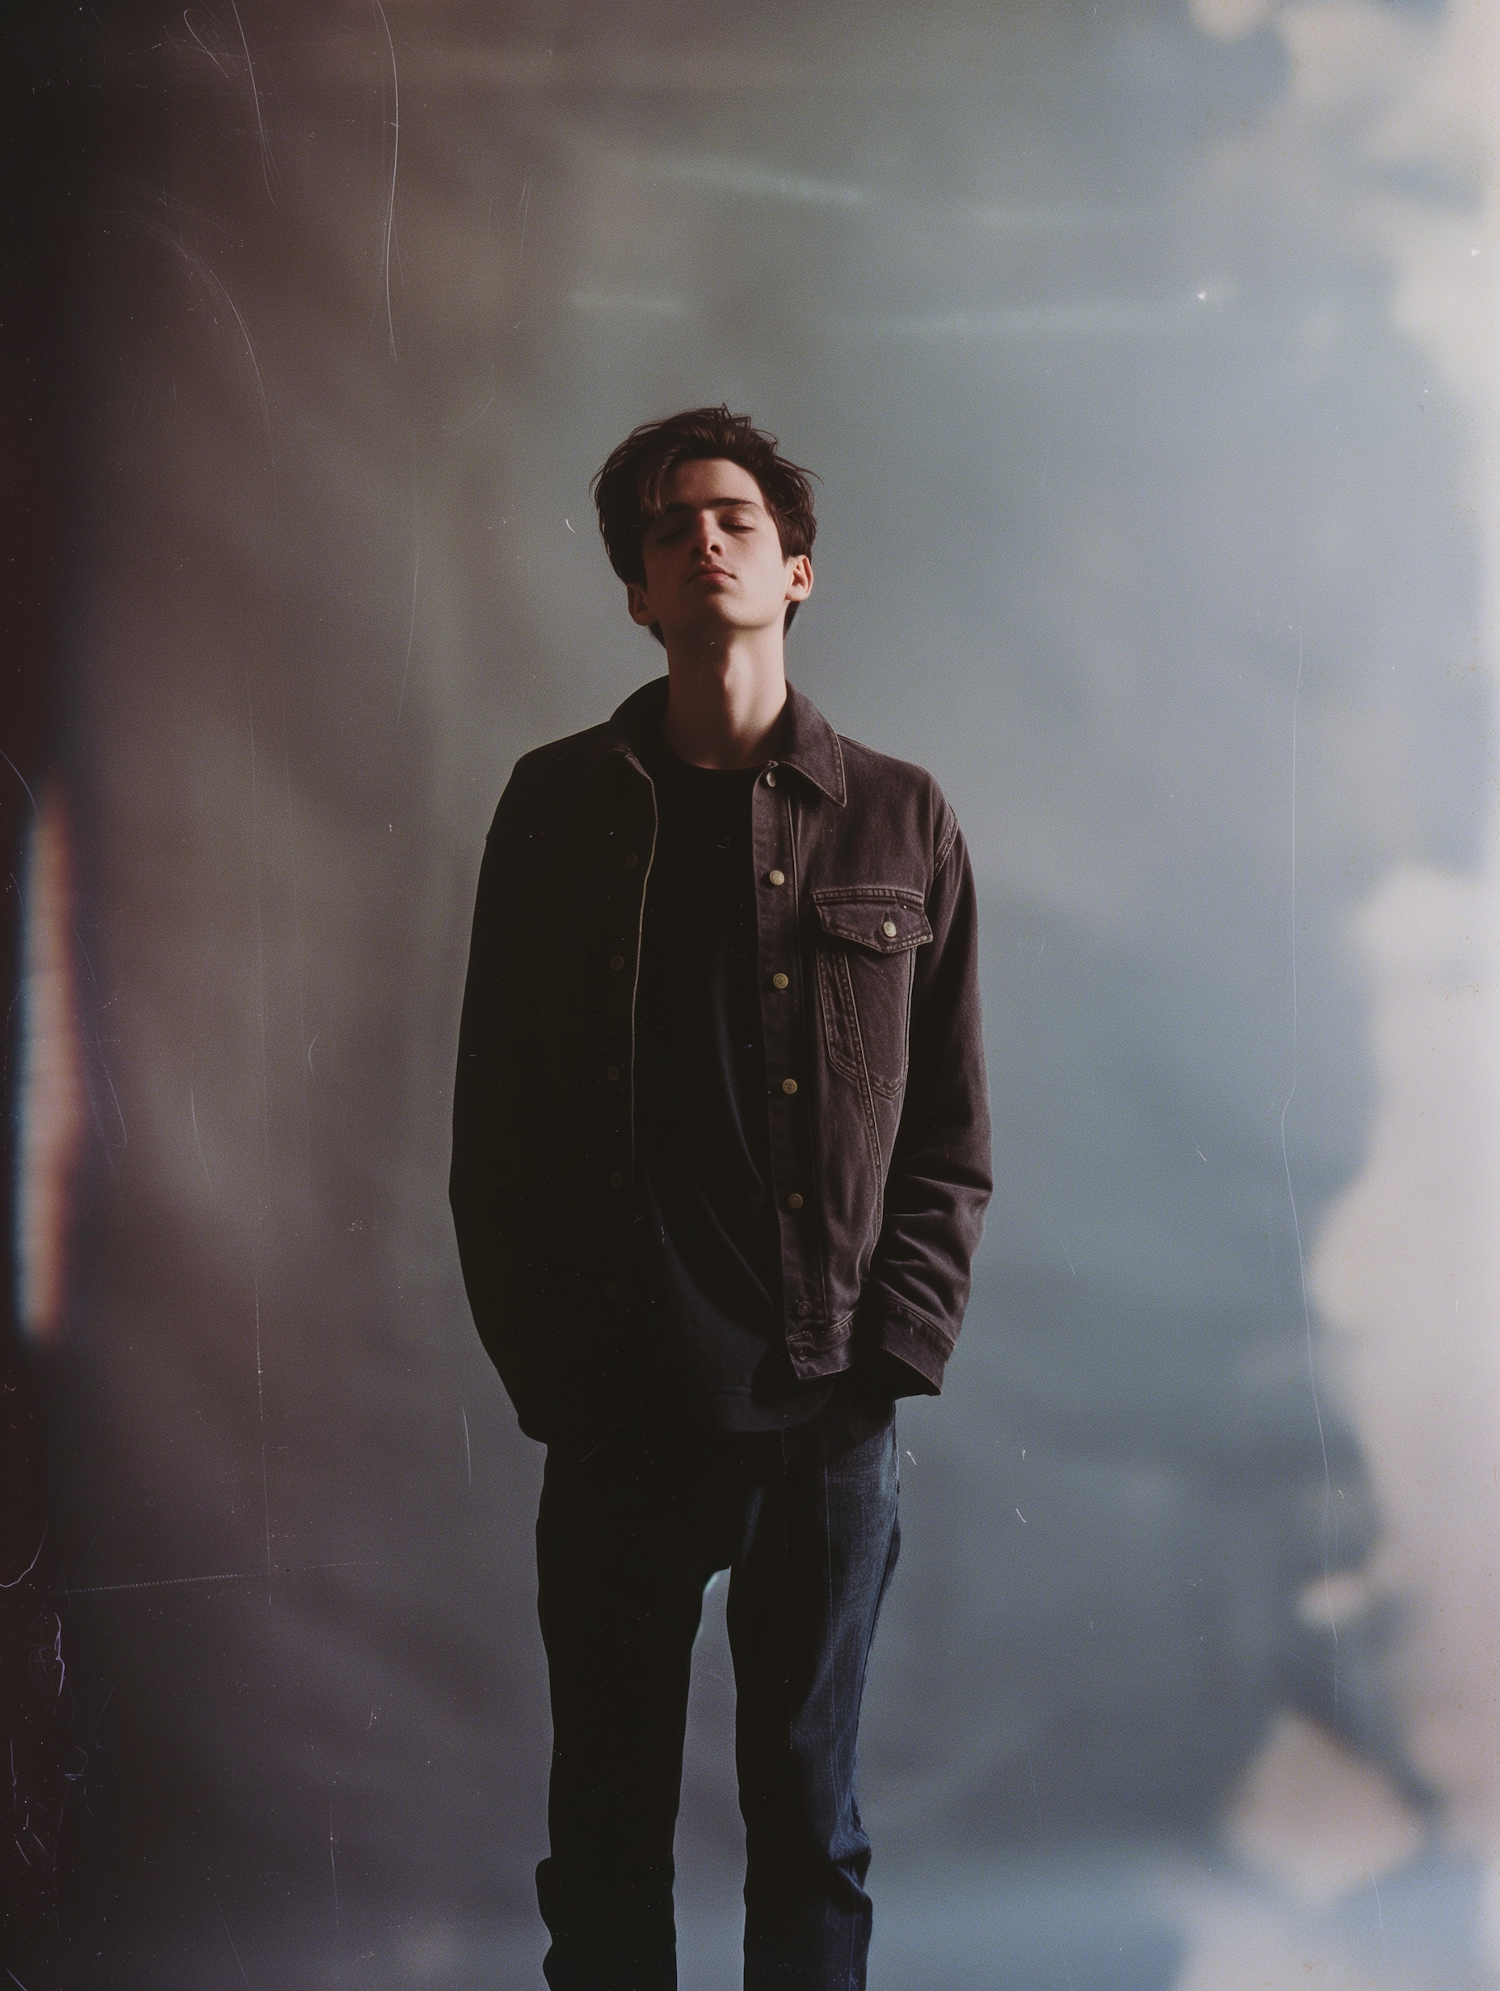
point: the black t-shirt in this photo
(707, 1261)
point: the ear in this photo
(638, 604)
(799, 578)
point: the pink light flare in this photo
(52, 1101)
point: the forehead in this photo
(709, 481)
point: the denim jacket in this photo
(878, 1115)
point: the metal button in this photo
(804, 1308)
(775, 877)
(770, 777)
(617, 960)
(888, 928)
(789, 1086)
(617, 1182)
(781, 981)
(611, 1071)
(631, 858)
(794, 1201)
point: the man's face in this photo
(713, 557)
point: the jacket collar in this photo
(808, 742)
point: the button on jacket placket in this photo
(783, 1013)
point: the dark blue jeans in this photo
(627, 1538)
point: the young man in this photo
(720, 1163)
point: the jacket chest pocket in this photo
(867, 941)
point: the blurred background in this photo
(1147, 353)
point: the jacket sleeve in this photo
(491, 1186)
(939, 1181)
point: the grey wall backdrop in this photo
(1151, 522)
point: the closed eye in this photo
(737, 517)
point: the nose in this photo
(708, 541)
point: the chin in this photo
(713, 621)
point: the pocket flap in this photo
(889, 919)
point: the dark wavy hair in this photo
(628, 490)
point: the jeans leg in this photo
(620, 1597)
(820, 1544)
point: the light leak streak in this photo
(221, 1576)
(525, 205)
(52, 1089)
(198, 1138)
(30, 1565)
(610, 300)
(265, 1121)
(748, 176)
(265, 143)
(1291, 1194)
(195, 266)
(390, 210)
(411, 627)
(333, 1862)
(1100, 318)
(203, 44)
(260, 1394)
(225, 1920)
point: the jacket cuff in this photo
(911, 1337)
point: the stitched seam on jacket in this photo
(834, 967)
(946, 851)
(834, 973)
(872, 1126)
(834, 895)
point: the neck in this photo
(723, 701)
